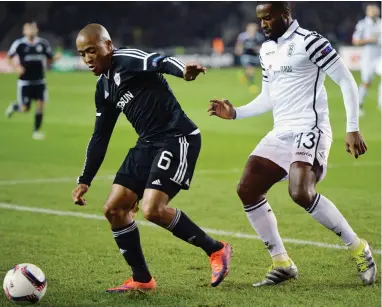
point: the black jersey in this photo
(135, 86)
(251, 44)
(32, 57)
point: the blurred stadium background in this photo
(177, 27)
(78, 254)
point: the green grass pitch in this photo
(79, 255)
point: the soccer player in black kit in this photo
(32, 52)
(161, 163)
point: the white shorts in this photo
(284, 148)
(369, 69)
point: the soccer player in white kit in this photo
(368, 35)
(294, 63)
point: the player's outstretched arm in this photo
(354, 142)
(322, 54)
(140, 61)
(223, 108)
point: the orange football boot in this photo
(131, 284)
(220, 261)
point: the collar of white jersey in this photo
(26, 41)
(370, 20)
(292, 28)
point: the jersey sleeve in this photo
(13, 50)
(320, 51)
(106, 118)
(241, 38)
(48, 50)
(359, 30)
(263, 70)
(140, 61)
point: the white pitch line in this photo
(105, 177)
(203, 171)
(144, 223)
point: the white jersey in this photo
(367, 28)
(294, 68)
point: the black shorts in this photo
(167, 166)
(27, 93)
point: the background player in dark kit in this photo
(32, 51)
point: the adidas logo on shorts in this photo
(156, 182)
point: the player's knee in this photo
(301, 195)
(152, 212)
(111, 213)
(248, 193)
(39, 109)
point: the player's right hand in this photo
(355, 144)
(222, 108)
(77, 194)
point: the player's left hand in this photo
(77, 194)
(355, 144)
(192, 70)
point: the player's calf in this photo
(155, 209)
(117, 209)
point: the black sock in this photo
(37, 121)
(16, 107)
(185, 229)
(129, 244)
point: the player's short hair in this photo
(28, 21)
(281, 6)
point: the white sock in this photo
(362, 93)
(264, 222)
(327, 214)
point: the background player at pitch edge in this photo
(368, 35)
(163, 159)
(33, 52)
(294, 63)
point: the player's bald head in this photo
(94, 31)
(95, 47)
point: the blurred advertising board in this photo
(69, 62)
(4, 66)
(351, 55)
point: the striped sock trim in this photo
(250, 208)
(174, 221)
(129, 228)
(314, 204)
